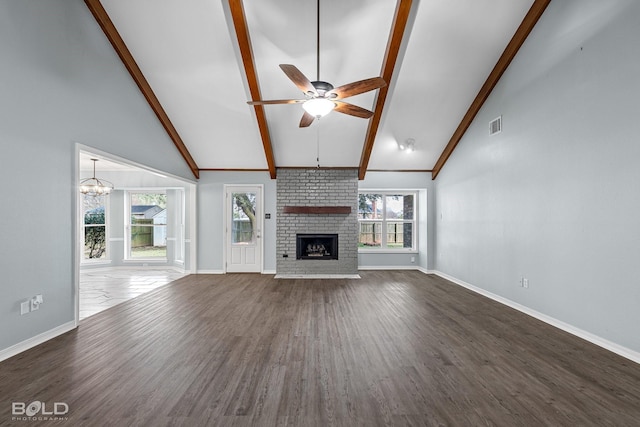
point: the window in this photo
(94, 228)
(387, 220)
(243, 207)
(147, 225)
(180, 226)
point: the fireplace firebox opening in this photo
(317, 246)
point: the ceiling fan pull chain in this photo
(318, 144)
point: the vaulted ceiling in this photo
(198, 62)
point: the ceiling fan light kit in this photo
(318, 107)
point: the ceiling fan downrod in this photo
(318, 41)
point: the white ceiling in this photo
(188, 53)
(124, 174)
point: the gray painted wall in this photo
(555, 197)
(211, 216)
(60, 83)
(426, 221)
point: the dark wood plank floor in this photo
(394, 348)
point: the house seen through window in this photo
(147, 225)
(387, 220)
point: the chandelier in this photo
(94, 186)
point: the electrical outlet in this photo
(413, 259)
(36, 301)
(25, 307)
(525, 283)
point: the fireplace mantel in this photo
(316, 209)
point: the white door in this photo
(243, 229)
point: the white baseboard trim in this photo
(175, 268)
(37, 340)
(588, 336)
(223, 272)
(210, 272)
(395, 267)
(388, 267)
(317, 276)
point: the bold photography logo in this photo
(40, 410)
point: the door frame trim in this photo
(225, 223)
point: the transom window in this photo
(387, 220)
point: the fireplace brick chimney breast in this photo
(317, 188)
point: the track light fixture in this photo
(407, 145)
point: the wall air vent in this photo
(495, 126)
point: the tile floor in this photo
(105, 287)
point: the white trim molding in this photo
(210, 272)
(37, 340)
(92, 263)
(175, 268)
(588, 336)
(317, 276)
(388, 267)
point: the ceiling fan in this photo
(320, 97)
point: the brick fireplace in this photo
(317, 202)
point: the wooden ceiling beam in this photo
(403, 9)
(521, 34)
(244, 43)
(101, 16)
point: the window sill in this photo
(145, 260)
(85, 263)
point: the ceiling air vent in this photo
(495, 126)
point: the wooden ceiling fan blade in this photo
(356, 88)
(276, 101)
(352, 110)
(306, 120)
(298, 79)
